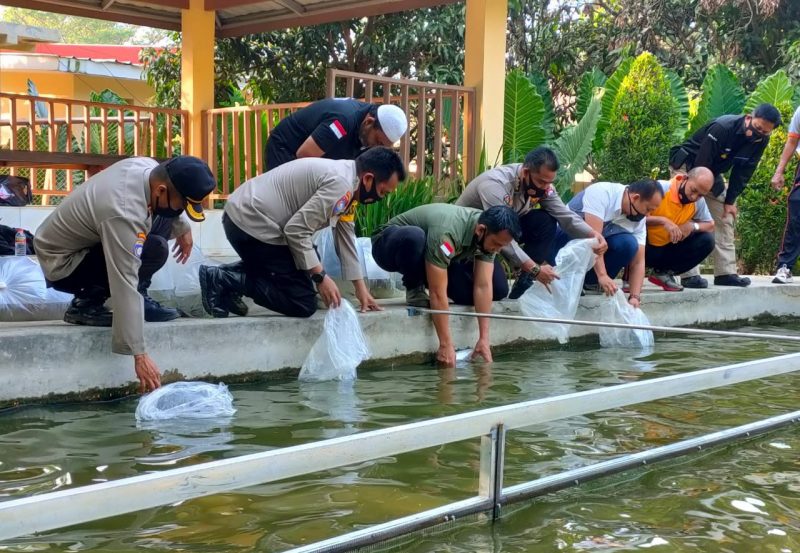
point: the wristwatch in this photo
(536, 269)
(696, 226)
(318, 277)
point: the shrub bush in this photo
(642, 125)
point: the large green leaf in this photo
(574, 146)
(722, 95)
(590, 81)
(522, 120)
(543, 88)
(682, 101)
(775, 89)
(607, 103)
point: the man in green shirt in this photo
(450, 249)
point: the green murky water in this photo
(739, 498)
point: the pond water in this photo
(738, 498)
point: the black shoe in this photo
(154, 312)
(731, 280)
(524, 281)
(211, 291)
(88, 313)
(695, 281)
(236, 305)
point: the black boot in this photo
(87, 309)
(233, 300)
(154, 312)
(217, 285)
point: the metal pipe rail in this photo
(74, 506)
(412, 311)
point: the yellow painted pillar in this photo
(485, 69)
(197, 70)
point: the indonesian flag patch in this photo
(338, 129)
(447, 248)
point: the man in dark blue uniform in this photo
(334, 128)
(732, 143)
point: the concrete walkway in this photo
(51, 361)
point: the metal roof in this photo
(234, 17)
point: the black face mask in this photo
(637, 215)
(755, 134)
(684, 199)
(368, 196)
(534, 191)
(167, 212)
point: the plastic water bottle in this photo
(20, 243)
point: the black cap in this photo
(193, 179)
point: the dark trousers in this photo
(272, 278)
(538, 234)
(90, 277)
(790, 245)
(622, 249)
(681, 256)
(402, 250)
(276, 154)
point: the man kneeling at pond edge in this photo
(450, 249)
(270, 219)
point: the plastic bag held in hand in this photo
(341, 348)
(186, 400)
(572, 262)
(616, 309)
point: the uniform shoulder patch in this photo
(338, 129)
(138, 245)
(342, 204)
(507, 199)
(446, 248)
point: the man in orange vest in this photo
(680, 232)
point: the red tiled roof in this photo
(121, 54)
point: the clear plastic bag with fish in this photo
(186, 400)
(561, 302)
(616, 309)
(339, 350)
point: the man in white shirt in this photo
(619, 212)
(790, 245)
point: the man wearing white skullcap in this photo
(334, 128)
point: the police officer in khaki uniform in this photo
(430, 244)
(92, 244)
(528, 189)
(270, 219)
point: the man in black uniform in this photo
(729, 142)
(334, 128)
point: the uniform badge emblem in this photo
(139, 244)
(507, 199)
(447, 248)
(342, 204)
(337, 129)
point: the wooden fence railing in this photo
(54, 141)
(236, 136)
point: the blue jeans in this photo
(622, 249)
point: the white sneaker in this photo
(783, 276)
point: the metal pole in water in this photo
(412, 311)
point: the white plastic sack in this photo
(341, 348)
(186, 400)
(24, 295)
(572, 262)
(326, 251)
(186, 279)
(616, 309)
